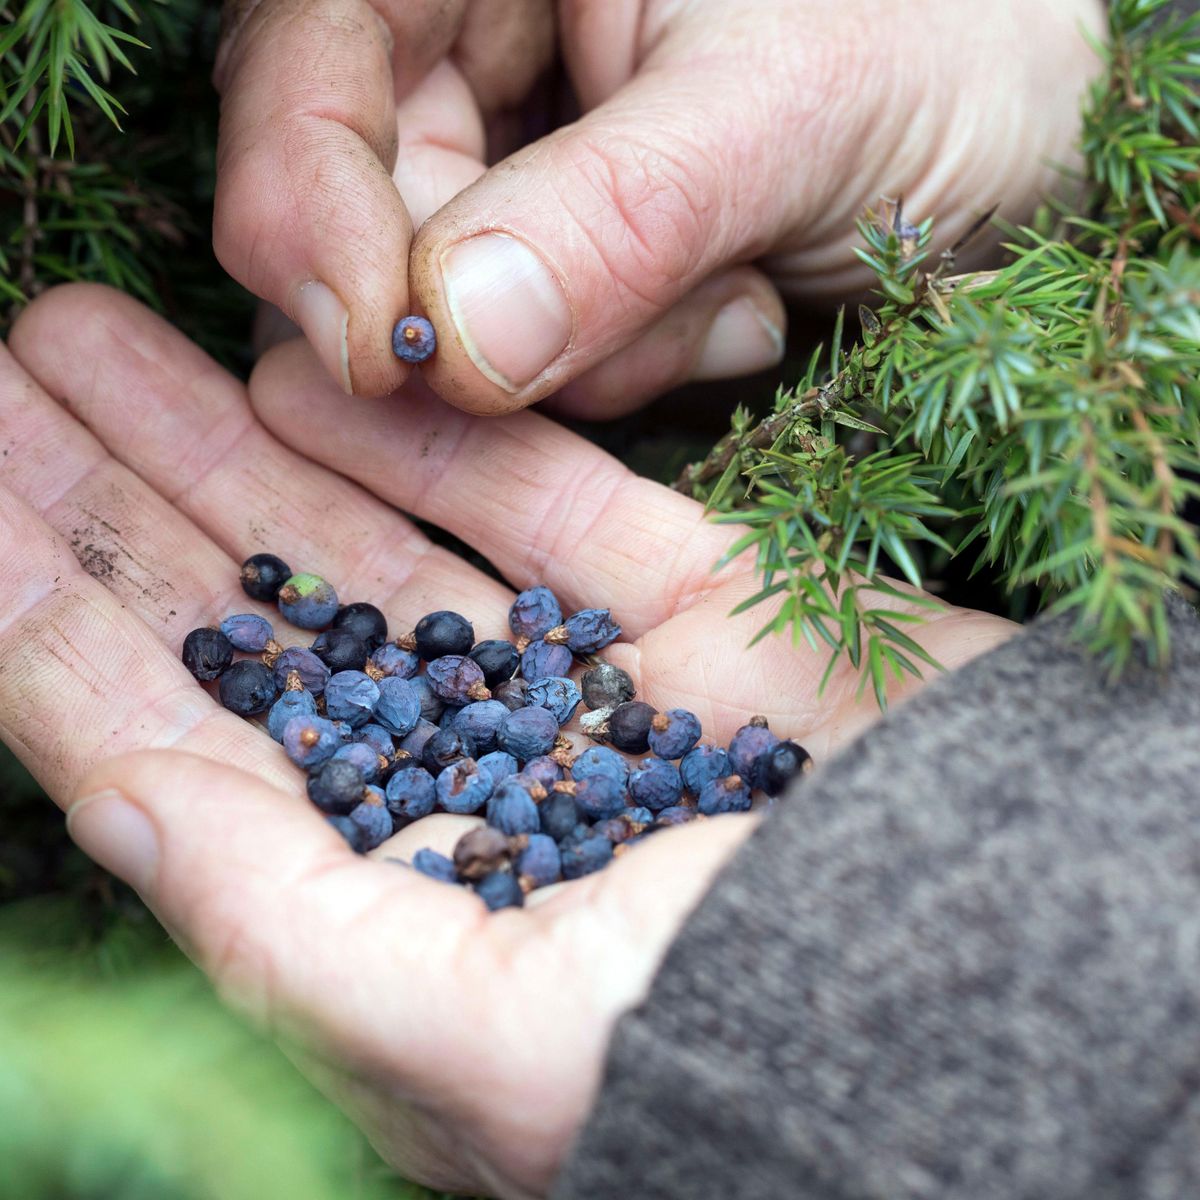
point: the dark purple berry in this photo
(336, 787)
(499, 764)
(539, 864)
(431, 705)
(559, 814)
(586, 631)
(457, 679)
(497, 659)
(702, 763)
(527, 733)
(534, 613)
(363, 620)
(440, 633)
(730, 794)
(390, 659)
(247, 688)
(436, 866)
(747, 747)
(361, 756)
(674, 732)
(340, 650)
(629, 726)
(314, 674)
(655, 783)
(413, 339)
(248, 632)
(352, 696)
(351, 831)
(263, 575)
(375, 822)
(481, 720)
(544, 769)
(584, 851)
(207, 653)
(511, 693)
(598, 797)
(413, 743)
(781, 764)
(500, 890)
(446, 746)
(606, 686)
(678, 815)
(480, 852)
(543, 660)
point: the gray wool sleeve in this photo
(962, 960)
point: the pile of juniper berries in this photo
(479, 731)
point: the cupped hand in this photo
(135, 477)
(723, 153)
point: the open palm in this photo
(136, 475)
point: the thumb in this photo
(570, 249)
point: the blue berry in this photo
(655, 783)
(540, 863)
(414, 743)
(584, 851)
(362, 757)
(499, 765)
(587, 631)
(312, 671)
(679, 815)
(457, 679)
(363, 620)
(297, 703)
(544, 769)
(747, 746)
(673, 733)
(559, 695)
(411, 794)
(527, 733)
(413, 339)
(481, 720)
(598, 797)
(559, 814)
(512, 810)
(600, 760)
(436, 866)
(378, 738)
(248, 632)
(344, 730)
(247, 688)
(723, 796)
(336, 787)
(497, 659)
(638, 816)
(263, 575)
(440, 633)
(430, 702)
(701, 764)
(207, 653)
(544, 660)
(309, 741)
(534, 613)
(351, 831)
(499, 890)
(782, 763)
(462, 787)
(308, 601)
(446, 746)
(375, 822)
(448, 714)
(351, 696)
(606, 686)
(340, 650)
(398, 708)
(390, 659)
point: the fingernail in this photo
(511, 313)
(325, 321)
(117, 834)
(741, 340)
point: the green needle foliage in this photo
(1040, 419)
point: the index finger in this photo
(306, 213)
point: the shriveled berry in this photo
(600, 760)
(413, 339)
(543, 660)
(263, 575)
(499, 764)
(363, 620)
(360, 756)
(440, 633)
(457, 679)
(638, 817)
(617, 829)
(398, 708)
(336, 787)
(587, 631)
(462, 787)
(448, 714)
(481, 720)
(678, 815)
(290, 704)
(436, 866)
(314, 674)
(340, 650)
(598, 797)
(247, 688)
(379, 739)
(479, 852)
(375, 822)
(673, 733)
(411, 794)
(207, 653)
(511, 693)
(702, 763)
(730, 794)
(414, 742)
(432, 705)
(781, 764)
(534, 613)
(248, 632)
(351, 831)
(310, 741)
(629, 726)
(558, 815)
(308, 601)
(544, 769)
(606, 686)
(351, 696)
(527, 733)
(540, 863)
(747, 747)
(536, 789)
(446, 746)
(512, 810)
(497, 659)
(559, 695)
(500, 890)
(583, 852)
(655, 783)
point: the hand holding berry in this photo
(165, 474)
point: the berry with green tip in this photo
(308, 601)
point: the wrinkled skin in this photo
(724, 152)
(400, 996)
